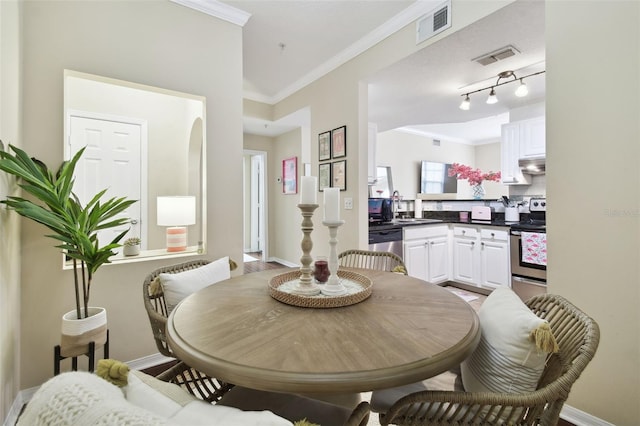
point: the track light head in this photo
(492, 99)
(466, 103)
(522, 89)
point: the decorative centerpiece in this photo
(475, 177)
(298, 288)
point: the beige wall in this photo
(593, 189)
(154, 43)
(284, 215)
(10, 85)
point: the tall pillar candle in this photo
(308, 194)
(331, 204)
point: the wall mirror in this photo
(142, 143)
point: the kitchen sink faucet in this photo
(395, 198)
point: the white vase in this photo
(78, 333)
(131, 250)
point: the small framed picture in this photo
(324, 176)
(290, 175)
(339, 175)
(339, 142)
(324, 146)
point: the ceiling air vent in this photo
(496, 55)
(434, 23)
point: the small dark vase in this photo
(321, 270)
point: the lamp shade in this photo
(176, 210)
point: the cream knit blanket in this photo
(83, 399)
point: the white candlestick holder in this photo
(333, 287)
(305, 285)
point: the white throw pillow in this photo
(178, 286)
(507, 358)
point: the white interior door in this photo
(256, 204)
(113, 159)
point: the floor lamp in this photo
(176, 213)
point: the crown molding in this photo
(217, 9)
(399, 21)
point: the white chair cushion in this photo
(178, 286)
(162, 398)
(507, 358)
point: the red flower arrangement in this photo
(475, 177)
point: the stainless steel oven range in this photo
(528, 252)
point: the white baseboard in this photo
(148, 361)
(580, 418)
(283, 262)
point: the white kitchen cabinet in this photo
(494, 258)
(532, 138)
(521, 139)
(510, 154)
(466, 266)
(426, 252)
(481, 256)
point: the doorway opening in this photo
(255, 205)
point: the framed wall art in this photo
(324, 146)
(324, 176)
(290, 175)
(339, 175)
(339, 142)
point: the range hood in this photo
(532, 166)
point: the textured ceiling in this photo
(288, 44)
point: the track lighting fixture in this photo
(521, 91)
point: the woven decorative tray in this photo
(358, 288)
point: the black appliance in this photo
(380, 210)
(529, 277)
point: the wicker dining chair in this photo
(577, 335)
(195, 382)
(377, 260)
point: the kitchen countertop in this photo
(401, 223)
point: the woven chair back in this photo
(376, 260)
(155, 304)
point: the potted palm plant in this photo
(75, 227)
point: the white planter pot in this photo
(78, 333)
(131, 250)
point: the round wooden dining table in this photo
(407, 330)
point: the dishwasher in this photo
(386, 240)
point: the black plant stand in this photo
(74, 360)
